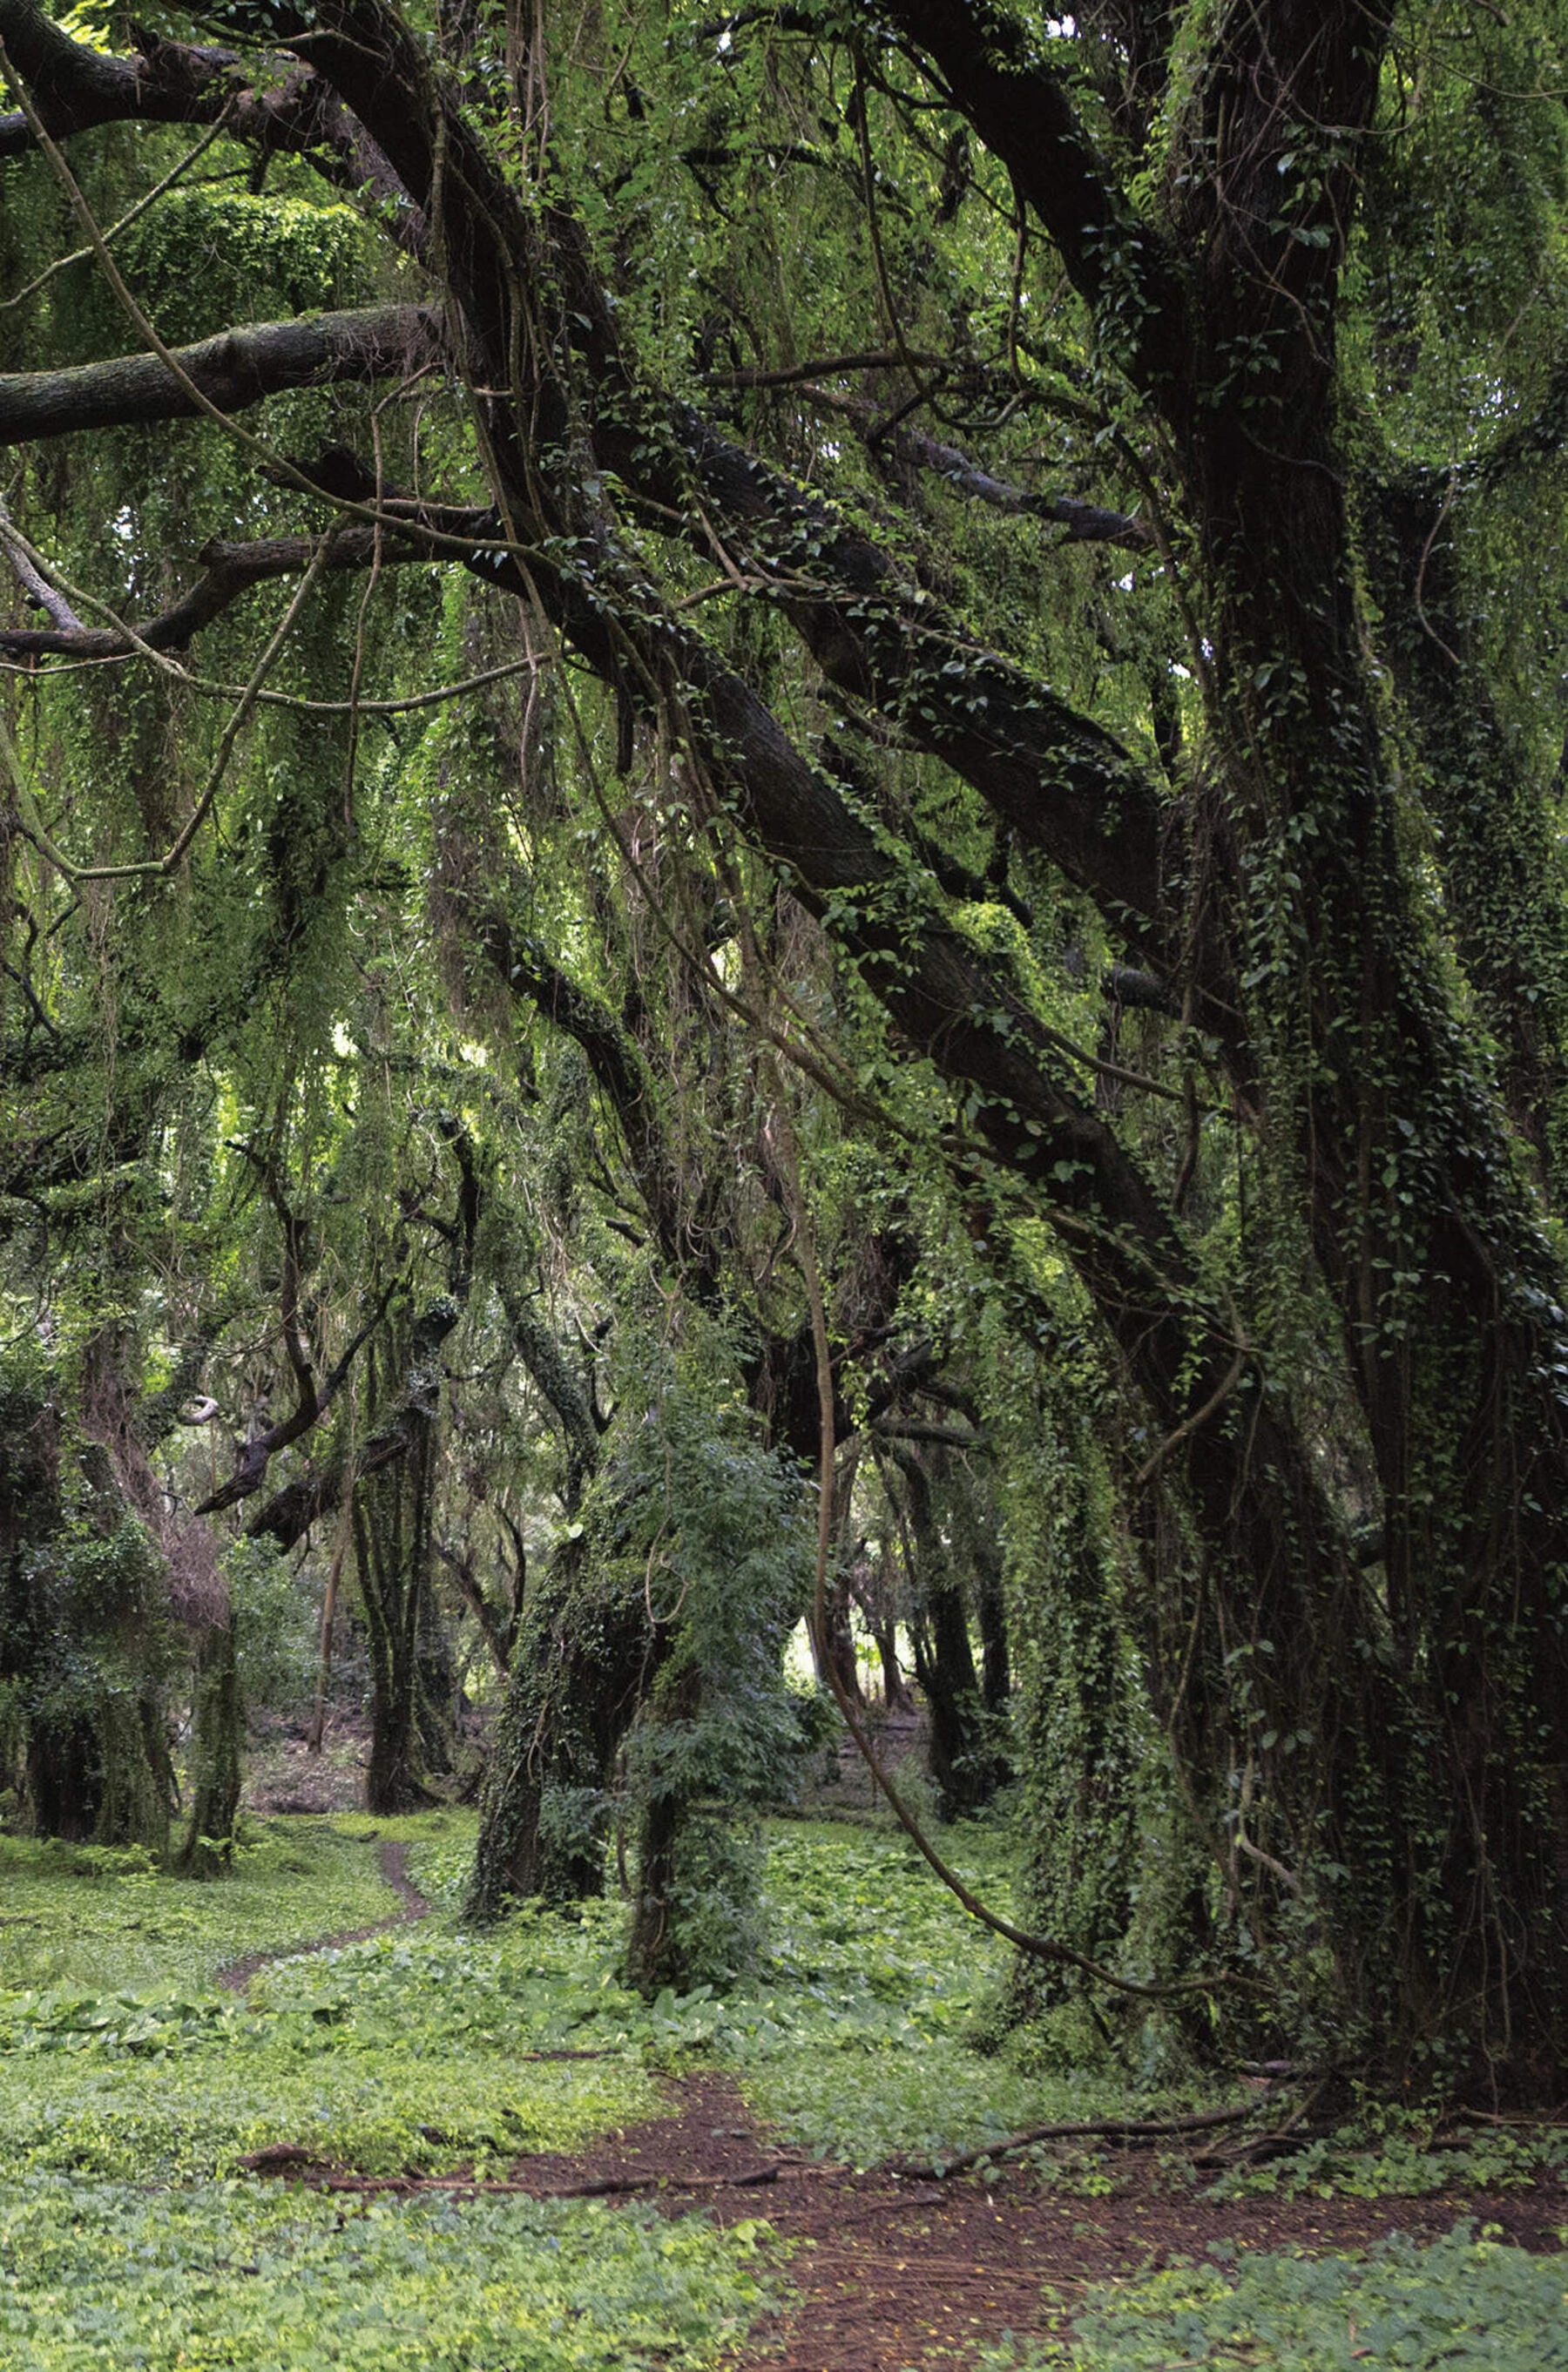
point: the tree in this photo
(773, 474)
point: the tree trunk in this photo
(962, 1756)
(216, 1735)
(578, 1666)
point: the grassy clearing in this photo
(84, 1918)
(399, 2053)
(131, 2085)
(858, 2038)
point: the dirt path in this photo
(901, 2271)
(393, 1863)
(893, 2272)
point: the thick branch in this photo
(232, 569)
(233, 371)
(1085, 522)
(75, 88)
(622, 1077)
(37, 588)
(1000, 83)
(543, 1358)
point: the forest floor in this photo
(761, 2181)
(891, 2272)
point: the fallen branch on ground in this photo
(1125, 2129)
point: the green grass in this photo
(398, 2054)
(98, 2277)
(404, 2051)
(1461, 2304)
(131, 2086)
(857, 2038)
(83, 1918)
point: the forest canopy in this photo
(812, 742)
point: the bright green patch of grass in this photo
(857, 2039)
(1460, 2304)
(86, 1919)
(97, 2277)
(401, 2052)
(384, 2110)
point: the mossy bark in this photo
(216, 1739)
(581, 1658)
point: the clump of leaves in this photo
(858, 2036)
(1360, 2161)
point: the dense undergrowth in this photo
(132, 2086)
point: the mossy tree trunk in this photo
(216, 1738)
(582, 1657)
(393, 1545)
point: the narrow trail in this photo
(896, 2270)
(899, 2273)
(392, 1861)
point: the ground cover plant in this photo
(260, 2279)
(132, 2231)
(78, 1916)
(393, 2054)
(129, 2232)
(1466, 2303)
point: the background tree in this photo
(993, 524)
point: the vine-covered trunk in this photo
(579, 1663)
(216, 1736)
(393, 1549)
(84, 1625)
(964, 1758)
(1449, 1295)
(1079, 1746)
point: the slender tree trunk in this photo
(962, 1755)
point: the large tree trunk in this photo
(1224, 316)
(579, 1665)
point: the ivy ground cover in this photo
(133, 2087)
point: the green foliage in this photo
(1398, 2161)
(206, 259)
(277, 1622)
(96, 2276)
(118, 2060)
(85, 1918)
(1463, 2304)
(858, 2036)
(711, 1528)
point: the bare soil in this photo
(896, 2273)
(893, 2272)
